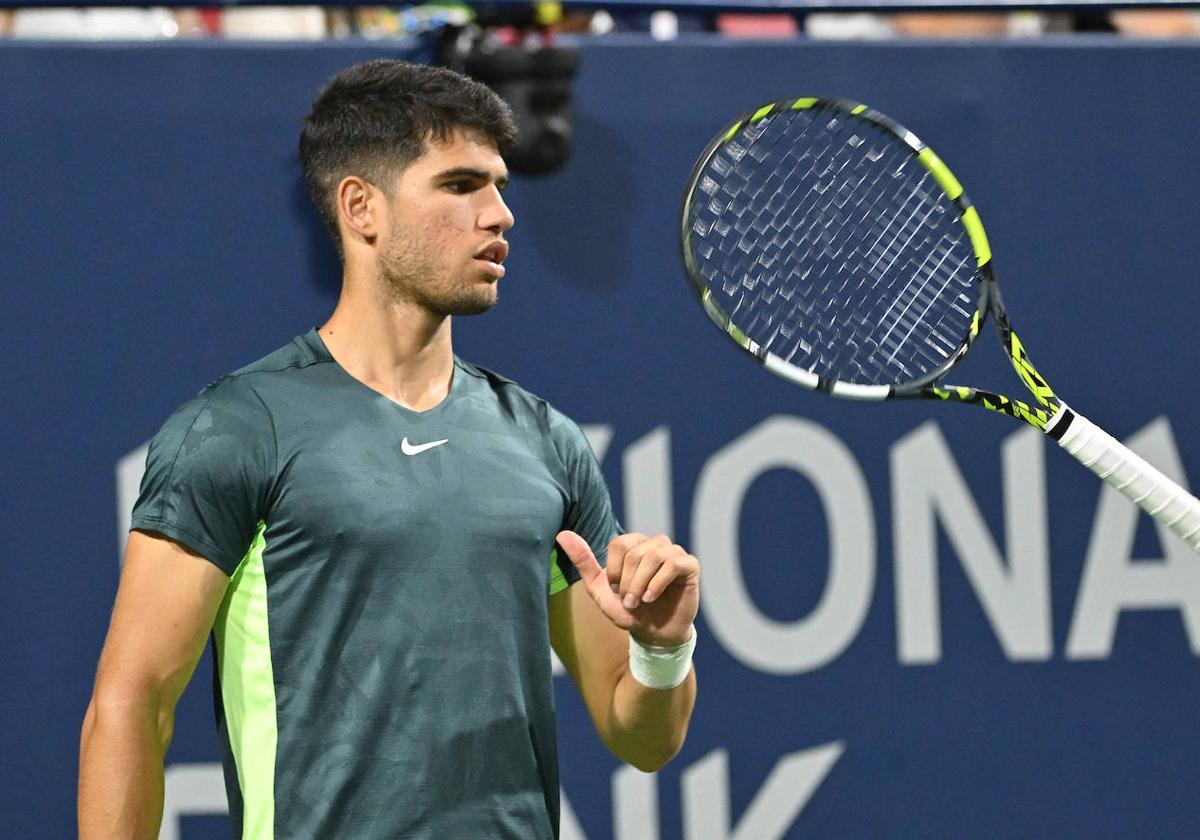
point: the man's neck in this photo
(395, 347)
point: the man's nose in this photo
(496, 216)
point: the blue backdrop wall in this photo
(918, 621)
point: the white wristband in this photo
(661, 667)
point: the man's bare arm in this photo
(642, 726)
(166, 603)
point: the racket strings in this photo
(830, 245)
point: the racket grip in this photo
(1124, 469)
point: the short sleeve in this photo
(589, 511)
(208, 474)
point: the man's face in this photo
(445, 239)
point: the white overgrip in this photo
(1124, 469)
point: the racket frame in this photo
(929, 386)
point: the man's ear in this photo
(359, 205)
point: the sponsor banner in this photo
(917, 620)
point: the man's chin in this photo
(476, 304)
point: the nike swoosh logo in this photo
(417, 448)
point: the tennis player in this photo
(382, 538)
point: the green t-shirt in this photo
(383, 666)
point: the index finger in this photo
(618, 547)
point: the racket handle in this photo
(1128, 472)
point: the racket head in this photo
(829, 242)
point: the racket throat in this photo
(1057, 425)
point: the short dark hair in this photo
(376, 118)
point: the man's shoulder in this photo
(296, 354)
(247, 382)
(245, 391)
(489, 377)
(518, 401)
(507, 391)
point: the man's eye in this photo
(459, 186)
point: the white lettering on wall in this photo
(599, 436)
(729, 611)
(635, 804)
(199, 790)
(774, 808)
(928, 489)
(191, 790)
(568, 824)
(130, 469)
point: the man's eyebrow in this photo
(471, 172)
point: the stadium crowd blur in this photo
(381, 22)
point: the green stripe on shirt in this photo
(248, 688)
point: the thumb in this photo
(580, 554)
(594, 579)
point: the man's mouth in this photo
(493, 257)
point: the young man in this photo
(381, 536)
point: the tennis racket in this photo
(836, 248)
